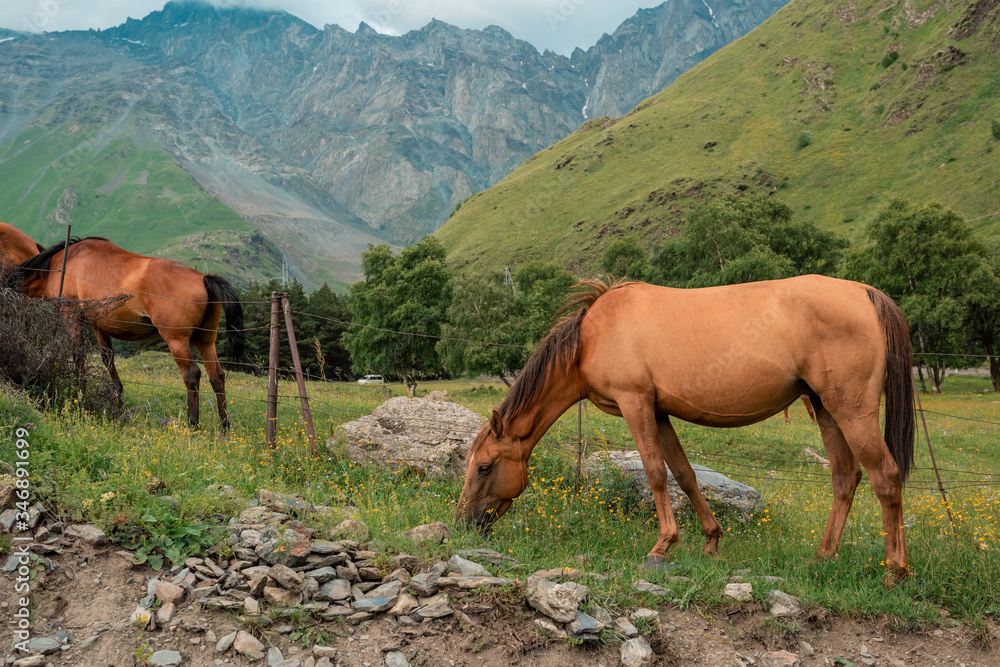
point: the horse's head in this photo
(497, 473)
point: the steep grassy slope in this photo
(123, 186)
(813, 106)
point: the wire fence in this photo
(739, 466)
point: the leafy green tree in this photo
(542, 288)
(408, 293)
(738, 239)
(484, 315)
(982, 310)
(923, 256)
(626, 258)
(334, 310)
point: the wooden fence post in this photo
(944, 497)
(272, 372)
(306, 413)
(62, 276)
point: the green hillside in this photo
(122, 185)
(833, 106)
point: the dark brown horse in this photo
(167, 299)
(16, 246)
(723, 357)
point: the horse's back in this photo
(734, 354)
(15, 244)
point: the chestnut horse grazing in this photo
(16, 246)
(718, 356)
(167, 299)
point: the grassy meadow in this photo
(98, 470)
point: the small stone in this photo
(286, 577)
(395, 659)
(375, 605)
(389, 589)
(636, 652)
(584, 624)
(430, 533)
(405, 605)
(557, 601)
(333, 590)
(274, 656)
(31, 661)
(739, 592)
(623, 626)
(433, 607)
(550, 629)
(642, 613)
(165, 614)
(165, 659)
(425, 583)
(43, 645)
(324, 651)
(780, 659)
(349, 572)
(467, 568)
(248, 645)
(282, 597)
(783, 604)
(644, 586)
(806, 648)
(350, 529)
(226, 642)
(168, 592)
(89, 533)
(251, 606)
(322, 575)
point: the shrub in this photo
(890, 58)
(45, 349)
(805, 138)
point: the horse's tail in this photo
(898, 386)
(223, 293)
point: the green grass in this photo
(923, 133)
(595, 526)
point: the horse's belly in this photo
(727, 403)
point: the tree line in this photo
(926, 257)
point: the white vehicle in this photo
(372, 379)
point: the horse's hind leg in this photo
(180, 350)
(866, 443)
(204, 342)
(845, 473)
(641, 421)
(673, 454)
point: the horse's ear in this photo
(496, 425)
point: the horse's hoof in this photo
(655, 562)
(893, 577)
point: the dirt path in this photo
(93, 591)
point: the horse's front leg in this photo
(641, 420)
(676, 459)
(108, 357)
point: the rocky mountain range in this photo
(323, 140)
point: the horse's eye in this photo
(485, 468)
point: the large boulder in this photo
(717, 488)
(432, 437)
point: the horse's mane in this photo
(560, 347)
(32, 267)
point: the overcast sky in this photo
(559, 25)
